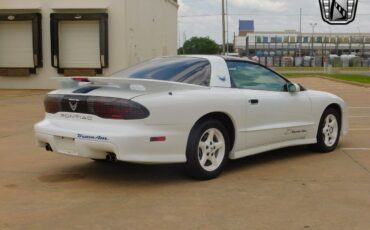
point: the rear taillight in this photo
(53, 103)
(81, 79)
(104, 107)
(115, 108)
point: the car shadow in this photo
(122, 173)
(268, 157)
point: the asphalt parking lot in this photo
(285, 189)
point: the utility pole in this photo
(223, 28)
(179, 41)
(329, 42)
(363, 43)
(183, 46)
(313, 25)
(178, 37)
(300, 32)
(227, 27)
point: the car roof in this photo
(230, 58)
(226, 58)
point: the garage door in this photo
(79, 45)
(16, 48)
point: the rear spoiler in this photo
(147, 85)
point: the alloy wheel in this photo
(330, 130)
(211, 149)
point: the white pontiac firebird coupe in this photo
(197, 110)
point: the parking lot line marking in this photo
(359, 107)
(358, 116)
(359, 129)
(356, 149)
(357, 162)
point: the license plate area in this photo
(66, 145)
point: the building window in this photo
(79, 43)
(20, 44)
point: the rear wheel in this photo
(328, 133)
(207, 150)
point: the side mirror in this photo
(293, 88)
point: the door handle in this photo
(253, 101)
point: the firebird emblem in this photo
(338, 12)
(73, 103)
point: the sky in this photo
(203, 17)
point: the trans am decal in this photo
(299, 133)
(91, 137)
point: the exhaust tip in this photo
(111, 157)
(48, 148)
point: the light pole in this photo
(223, 27)
(300, 32)
(363, 43)
(183, 46)
(328, 50)
(313, 25)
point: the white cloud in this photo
(269, 15)
(184, 7)
(264, 5)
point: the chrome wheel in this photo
(211, 149)
(330, 130)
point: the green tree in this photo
(180, 51)
(200, 45)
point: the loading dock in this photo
(79, 43)
(129, 32)
(20, 44)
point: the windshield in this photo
(178, 69)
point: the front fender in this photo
(322, 100)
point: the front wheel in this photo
(328, 133)
(207, 150)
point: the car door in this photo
(272, 114)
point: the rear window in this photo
(188, 70)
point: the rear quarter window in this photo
(188, 70)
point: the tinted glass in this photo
(247, 75)
(179, 69)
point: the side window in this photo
(195, 71)
(245, 75)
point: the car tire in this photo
(328, 133)
(207, 150)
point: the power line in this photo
(256, 14)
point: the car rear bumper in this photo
(128, 143)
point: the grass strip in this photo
(356, 78)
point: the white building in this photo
(293, 43)
(44, 39)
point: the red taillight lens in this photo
(104, 107)
(81, 79)
(115, 108)
(53, 103)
